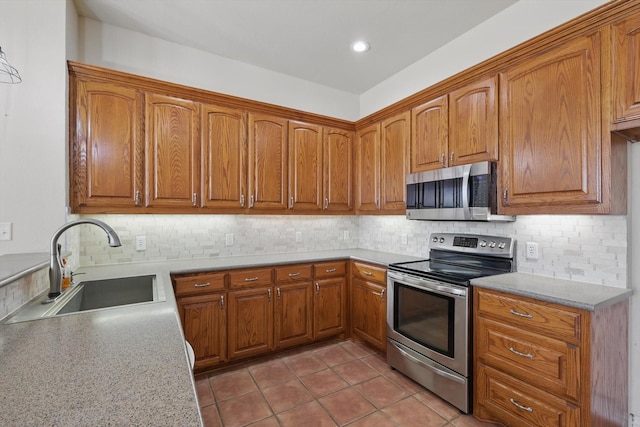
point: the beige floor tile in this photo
(243, 410)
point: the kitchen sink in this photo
(93, 295)
(97, 294)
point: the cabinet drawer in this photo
(250, 277)
(330, 269)
(293, 273)
(531, 315)
(198, 284)
(515, 403)
(551, 364)
(370, 272)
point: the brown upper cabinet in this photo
(455, 129)
(172, 152)
(557, 151)
(338, 170)
(267, 162)
(107, 164)
(305, 166)
(625, 76)
(382, 162)
(224, 157)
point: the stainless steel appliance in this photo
(429, 311)
(458, 193)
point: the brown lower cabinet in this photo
(544, 364)
(236, 314)
(369, 304)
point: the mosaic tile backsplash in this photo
(577, 247)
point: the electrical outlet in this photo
(228, 239)
(345, 234)
(532, 250)
(403, 239)
(298, 236)
(141, 243)
(5, 231)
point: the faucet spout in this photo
(55, 263)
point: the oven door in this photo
(429, 317)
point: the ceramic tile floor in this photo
(332, 384)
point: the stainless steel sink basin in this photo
(109, 293)
(93, 295)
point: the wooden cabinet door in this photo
(394, 162)
(173, 167)
(250, 322)
(625, 73)
(267, 162)
(204, 321)
(430, 135)
(368, 312)
(224, 157)
(330, 307)
(107, 156)
(305, 166)
(551, 129)
(368, 169)
(338, 170)
(293, 314)
(473, 123)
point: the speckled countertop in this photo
(581, 295)
(118, 366)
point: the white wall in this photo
(33, 123)
(514, 25)
(124, 50)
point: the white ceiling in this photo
(308, 39)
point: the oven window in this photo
(424, 317)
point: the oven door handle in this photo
(432, 368)
(426, 284)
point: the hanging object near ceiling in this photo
(8, 73)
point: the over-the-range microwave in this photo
(458, 193)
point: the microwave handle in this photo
(466, 176)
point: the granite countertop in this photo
(586, 296)
(118, 366)
(15, 266)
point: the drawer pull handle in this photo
(278, 291)
(527, 355)
(269, 294)
(524, 408)
(250, 279)
(317, 288)
(201, 285)
(330, 270)
(367, 273)
(380, 294)
(294, 274)
(515, 313)
(221, 302)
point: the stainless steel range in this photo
(429, 311)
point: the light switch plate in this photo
(5, 231)
(228, 239)
(141, 243)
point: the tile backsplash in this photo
(577, 247)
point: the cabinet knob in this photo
(137, 198)
(326, 203)
(221, 302)
(442, 160)
(242, 200)
(251, 201)
(278, 293)
(317, 288)
(291, 202)
(505, 193)
(195, 199)
(269, 294)
(451, 157)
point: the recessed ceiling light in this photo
(360, 46)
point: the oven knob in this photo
(483, 243)
(501, 245)
(492, 244)
(442, 240)
(434, 240)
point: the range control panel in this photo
(473, 243)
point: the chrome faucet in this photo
(55, 264)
